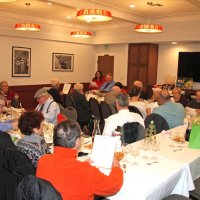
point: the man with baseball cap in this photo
(47, 106)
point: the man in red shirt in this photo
(76, 180)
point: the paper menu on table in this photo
(66, 88)
(103, 151)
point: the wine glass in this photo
(155, 147)
(135, 151)
(126, 148)
(145, 145)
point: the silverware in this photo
(150, 163)
(177, 150)
(124, 167)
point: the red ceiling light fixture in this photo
(27, 26)
(94, 15)
(81, 34)
(148, 28)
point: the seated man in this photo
(173, 113)
(47, 106)
(111, 97)
(72, 178)
(8, 124)
(195, 103)
(123, 116)
(143, 94)
(81, 105)
(54, 91)
(108, 84)
(178, 97)
(5, 93)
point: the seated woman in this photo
(97, 81)
(33, 143)
(134, 94)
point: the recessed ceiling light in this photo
(131, 6)
(49, 3)
(88, 21)
(68, 17)
(174, 42)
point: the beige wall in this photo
(168, 59)
(120, 53)
(41, 61)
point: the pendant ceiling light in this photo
(2, 1)
(27, 26)
(94, 15)
(148, 28)
(81, 34)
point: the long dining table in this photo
(172, 173)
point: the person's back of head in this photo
(55, 83)
(33, 188)
(119, 84)
(115, 90)
(66, 134)
(78, 87)
(163, 97)
(135, 91)
(122, 101)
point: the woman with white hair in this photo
(54, 91)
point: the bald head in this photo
(115, 89)
(163, 97)
(138, 84)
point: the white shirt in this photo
(119, 119)
(50, 112)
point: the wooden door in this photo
(106, 64)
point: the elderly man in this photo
(178, 97)
(173, 113)
(54, 91)
(5, 93)
(108, 84)
(72, 178)
(195, 103)
(47, 106)
(123, 116)
(143, 94)
(8, 124)
(111, 97)
(81, 105)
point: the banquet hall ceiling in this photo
(160, 11)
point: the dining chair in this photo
(135, 110)
(70, 113)
(196, 192)
(61, 107)
(160, 123)
(34, 188)
(132, 132)
(95, 109)
(176, 197)
(105, 110)
(68, 101)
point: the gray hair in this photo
(66, 133)
(122, 99)
(54, 82)
(78, 86)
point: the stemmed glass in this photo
(155, 147)
(145, 145)
(135, 151)
(126, 148)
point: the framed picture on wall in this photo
(62, 62)
(21, 62)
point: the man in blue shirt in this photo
(108, 84)
(173, 113)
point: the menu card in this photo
(103, 151)
(66, 88)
